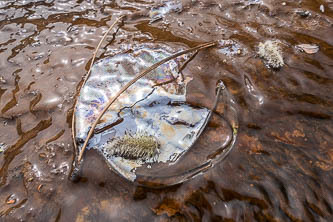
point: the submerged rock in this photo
(271, 53)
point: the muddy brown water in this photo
(281, 167)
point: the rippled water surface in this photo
(281, 167)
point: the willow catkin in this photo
(139, 146)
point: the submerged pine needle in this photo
(138, 146)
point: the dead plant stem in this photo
(88, 74)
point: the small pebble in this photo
(304, 14)
(12, 201)
(39, 188)
(42, 155)
(2, 80)
(3, 147)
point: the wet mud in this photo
(281, 166)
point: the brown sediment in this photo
(15, 149)
(281, 166)
(57, 136)
(13, 101)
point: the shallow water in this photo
(281, 166)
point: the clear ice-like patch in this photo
(154, 105)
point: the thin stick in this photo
(137, 77)
(88, 74)
(99, 45)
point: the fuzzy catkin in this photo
(138, 146)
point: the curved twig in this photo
(137, 77)
(98, 46)
(88, 74)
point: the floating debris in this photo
(251, 2)
(3, 147)
(11, 199)
(138, 146)
(229, 48)
(271, 53)
(39, 188)
(303, 13)
(307, 48)
(2, 80)
(159, 12)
